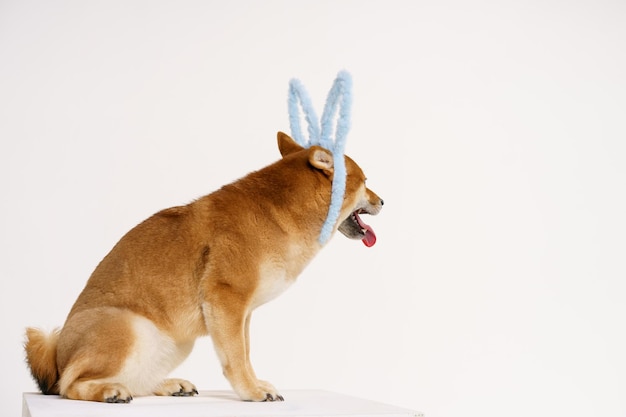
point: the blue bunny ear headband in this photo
(339, 97)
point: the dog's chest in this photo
(277, 273)
(273, 282)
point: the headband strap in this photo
(340, 95)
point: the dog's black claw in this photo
(116, 400)
(183, 393)
(272, 398)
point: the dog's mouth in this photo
(355, 228)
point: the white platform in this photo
(215, 404)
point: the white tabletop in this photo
(214, 404)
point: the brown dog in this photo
(194, 270)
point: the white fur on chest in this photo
(273, 281)
(277, 273)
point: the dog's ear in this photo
(321, 159)
(286, 145)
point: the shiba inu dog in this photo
(196, 270)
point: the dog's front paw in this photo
(176, 387)
(272, 393)
(263, 391)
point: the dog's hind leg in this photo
(176, 387)
(111, 355)
(98, 390)
(92, 349)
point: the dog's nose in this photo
(382, 202)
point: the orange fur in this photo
(41, 355)
(194, 270)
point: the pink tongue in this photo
(370, 236)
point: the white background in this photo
(494, 131)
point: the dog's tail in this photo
(41, 356)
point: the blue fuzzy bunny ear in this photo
(340, 95)
(339, 100)
(299, 95)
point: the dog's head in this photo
(358, 199)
